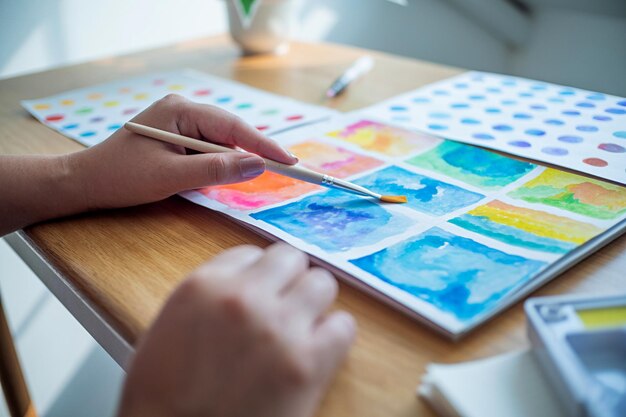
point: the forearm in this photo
(36, 188)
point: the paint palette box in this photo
(581, 344)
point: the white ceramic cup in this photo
(269, 29)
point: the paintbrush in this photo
(293, 171)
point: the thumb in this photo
(195, 171)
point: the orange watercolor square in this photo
(268, 188)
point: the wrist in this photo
(67, 184)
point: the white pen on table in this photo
(360, 67)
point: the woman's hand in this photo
(129, 169)
(247, 334)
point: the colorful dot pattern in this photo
(564, 126)
(91, 115)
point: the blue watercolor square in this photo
(336, 221)
(455, 274)
(424, 194)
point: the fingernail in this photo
(251, 166)
(293, 156)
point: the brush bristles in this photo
(393, 198)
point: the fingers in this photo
(331, 340)
(217, 125)
(311, 295)
(231, 262)
(186, 172)
(281, 265)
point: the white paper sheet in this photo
(90, 115)
(568, 127)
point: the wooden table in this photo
(114, 269)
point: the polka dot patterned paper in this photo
(564, 126)
(92, 114)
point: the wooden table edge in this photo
(94, 321)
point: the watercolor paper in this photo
(332, 160)
(268, 188)
(92, 114)
(565, 126)
(336, 221)
(457, 275)
(532, 229)
(478, 228)
(384, 139)
(472, 165)
(575, 193)
(424, 194)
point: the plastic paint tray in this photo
(581, 345)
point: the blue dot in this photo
(459, 105)
(596, 97)
(461, 85)
(535, 132)
(616, 111)
(88, 133)
(620, 134)
(526, 95)
(567, 92)
(441, 93)
(520, 143)
(503, 128)
(476, 97)
(421, 100)
(439, 115)
(602, 118)
(469, 121)
(484, 136)
(571, 112)
(556, 100)
(622, 103)
(522, 116)
(538, 87)
(223, 99)
(70, 126)
(437, 127)
(398, 108)
(554, 122)
(492, 110)
(538, 107)
(509, 82)
(493, 90)
(114, 126)
(554, 151)
(508, 102)
(570, 139)
(477, 77)
(585, 104)
(586, 128)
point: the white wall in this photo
(571, 47)
(575, 42)
(433, 30)
(40, 34)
